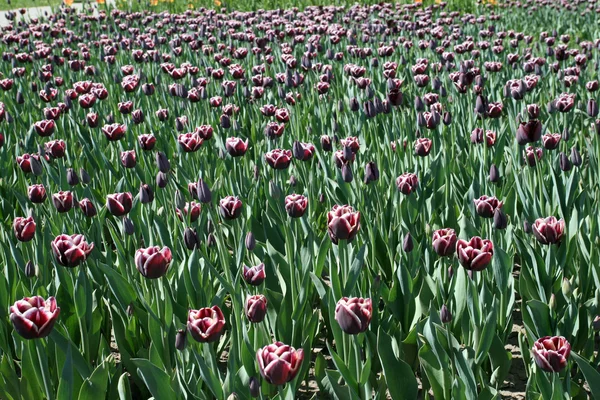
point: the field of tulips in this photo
(385, 201)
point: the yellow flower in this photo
(68, 3)
(100, 1)
(153, 2)
(418, 1)
(217, 3)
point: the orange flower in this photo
(217, 3)
(100, 1)
(153, 2)
(68, 3)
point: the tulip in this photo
(88, 208)
(205, 132)
(24, 228)
(236, 147)
(146, 194)
(347, 175)
(295, 205)
(203, 192)
(476, 254)
(343, 223)
(407, 243)
(529, 132)
(190, 142)
(30, 270)
(36, 193)
(206, 324)
(180, 339)
(592, 108)
(575, 157)
(114, 132)
(119, 204)
(153, 262)
(254, 387)
(444, 242)
(279, 363)
(192, 209)
(230, 207)
(254, 275)
(486, 206)
(24, 161)
(279, 159)
(45, 127)
(445, 315)
(128, 226)
(533, 155)
(423, 147)
(162, 162)
(407, 183)
(494, 174)
(565, 163)
(55, 148)
(353, 314)
(326, 143)
(85, 177)
(72, 178)
(147, 142)
(500, 220)
(34, 317)
(548, 230)
(128, 159)
(371, 172)
(70, 251)
(250, 241)
(551, 353)
(256, 308)
(352, 142)
(551, 140)
(63, 201)
(190, 238)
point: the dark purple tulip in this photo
(407, 183)
(476, 254)
(565, 163)
(551, 354)
(72, 178)
(423, 147)
(230, 207)
(354, 314)
(256, 308)
(295, 205)
(119, 204)
(500, 220)
(371, 172)
(407, 243)
(206, 324)
(494, 174)
(153, 262)
(343, 223)
(24, 228)
(551, 140)
(250, 241)
(592, 108)
(445, 315)
(180, 339)
(70, 251)
(486, 206)
(88, 208)
(279, 159)
(190, 238)
(36, 193)
(236, 147)
(128, 159)
(548, 230)
(63, 201)
(279, 363)
(254, 275)
(444, 242)
(146, 194)
(529, 132)
(34, 317)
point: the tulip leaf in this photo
(96, 386)
(399, 377)
(465, 371)
(350, 379)
(208, 376)
(355, 270)
(119, 286)
(591, 374)
(157, 381)
(537, 317)
(65, 385)
(123, 387)
(10, 380)
(340, 392)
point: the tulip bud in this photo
(180, 339)
(592, 108)
(450, 272)
(371, 172)
(161, 180)
(85, 177)
(500, 220)
(326, 143)
(210, 240)
(36, 166)
(565, 164)
(274, 190)
(321, 198)
(407, 243)
(576, 157)
(190, 238)
(128, 227)
(494, 174)
(203, 191)
(347, 173)
(552, 302)
(162, 162)
(256, 308)
(347, 153)
(256, 174)
(250, 241)
(254, 387)
(233, 396)
(72, 178)
(146, 194)
(445, 315)
(179, 200)
(566, 288)
(419, 105)
(596, 323)
(527, 227)
(447, 119)
(29, 269)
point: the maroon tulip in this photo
(24, 228)
(444, 242)
(279, 363)
(128, 159)
(114, 132)
(295, 205)
(422, 147)
(119, 204)
(36, 193)
(343, 223)
(152, 262)
(254, 275)
(565, 102)
(279, 159)
(551, 353)
(303, 151)
(206, 324)
(70, 251)
(486, 206)
(256, 308)
(205, 132)
(88, 208)
(92, 119)
(190, 209)
(476, 254)
(548, 230)
(352, 142)
(494, 110)
(24, 161)
(551, 140)
(407, 183)
(477, 137)
(236, 147)
(230, 207)
(55, 148)
(45, 127)
(34, 317)
(125, 107)
(147, 141)
(533, 155)
(353, 314)
(63, 201)
(190, 142)
(529, 132)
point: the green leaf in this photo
(96, 386)
(124, 388)
(399, 377)
(592, 376)
(355, 270)
(157, 381)
(65, 385)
